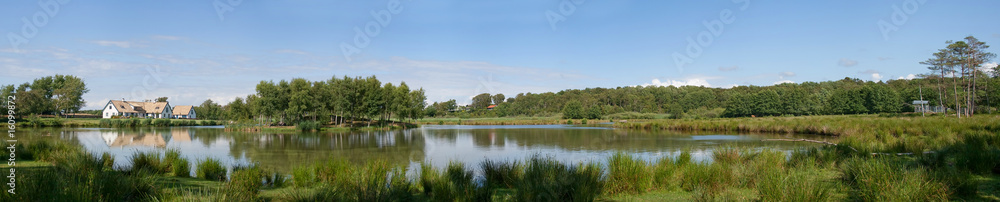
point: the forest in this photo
(954, 81)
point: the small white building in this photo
(122, 108)
(184, 112)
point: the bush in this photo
(627, 174)
(145, 122)
(308, 126)
(211, 169)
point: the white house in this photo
(184, 112)
(122, 108)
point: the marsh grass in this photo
(501, 174)
(78, 176)
(627, 174)
(147, 161)
(244, 184)
(211, 169)
(889, 179)
(181, 167)
(545, 179)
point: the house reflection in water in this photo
(156, 139)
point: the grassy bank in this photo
(867, 133)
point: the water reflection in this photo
(435, 144)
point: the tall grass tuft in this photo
(796, 185)
(243, 185)
(146, 161)
(627, 174)
(548, 180)
(707, 180)
(211, 169)
(665, 174)
(886, 179)
(302, 176)
(501, 174)
(180, 167)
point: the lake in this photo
(437, 144)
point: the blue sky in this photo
(196, 50)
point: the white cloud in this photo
(847, 62)
(677, 83)
(876, 77)
(783, 81)
(988, 68)
(120, 44)
(908, 77)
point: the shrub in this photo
(211, 169)
(627, 174)
(308, 126)
(145, 122)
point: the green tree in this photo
(481, 101)
(880, 99)
(767, 103)
(573, 110)
(740, 104)
(847, 101)
(594, 112)
(498, 98)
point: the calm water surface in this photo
(435, 144)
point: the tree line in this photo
(336, 101)
(956, 82)
(50, 95)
